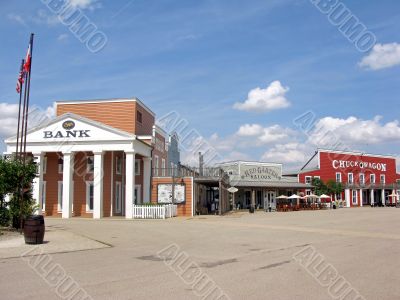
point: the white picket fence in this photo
(155, 212)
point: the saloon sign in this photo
(68, 132)
(342, 164)
(260, 173)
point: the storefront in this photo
(260, 183)
(96, 158)
(367, 179)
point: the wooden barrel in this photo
(34, 230)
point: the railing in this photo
(154, 212)
(188, 172)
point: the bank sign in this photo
(67, 132)
(260, 173)
(344, 164)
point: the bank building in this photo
(102, 158)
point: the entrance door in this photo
(270, 199)
(259, 200)
(138, 198)
(118, 198)
(247, 199)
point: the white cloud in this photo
(83, 4)
(265, 135)
(16, 18)
(250, 130)
(262, 100)
(295, 154)
(330, 131)
(9, 118)
(62, 37)
(382, 56)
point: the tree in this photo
(14, 178)
(320, 187)
(334, 188)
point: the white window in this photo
(44, 195)
(44, 165)
(156, 165)
(362, 178)
(372, 178)
(338, 177)
(60, 196)
(308, 192)
(354, 197)
(163, 167)
(137, 166)
(383, 179)
(118, 165)
(350, 178)
(118, 197)
(89, 196)
(90, 164)
(60, 165)
(308, 179)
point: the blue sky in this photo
(201, 57)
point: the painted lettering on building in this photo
(66, 134)
(343, 164)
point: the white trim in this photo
(112, 184)
(308, 177)
(163, 173)
(361, 175)
(88, 184)
(44, 189)
(118, 189)
(44, 164)
(348, 178)
(336, 177)
(384, 179)
(370, 178)
(356, 153)
(59, 196)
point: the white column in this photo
(130, 183)
(38, 181)
(383, 197)
(361, 197)
(372, 197)
(146, 179)
(347, 197)
(98, 185)
(67, 195)
(393, 199)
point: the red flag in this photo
(28, 57)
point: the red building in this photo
(367, 179)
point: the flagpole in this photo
(19, 107)
(28, 87)
(21, 146)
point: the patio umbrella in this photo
(312, 196)
(282, 197)
(323, 196)
(294, 196)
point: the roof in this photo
(133, 99)
(274, 184)
(361, 153)
(249, 162)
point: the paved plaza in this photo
(260, 256)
